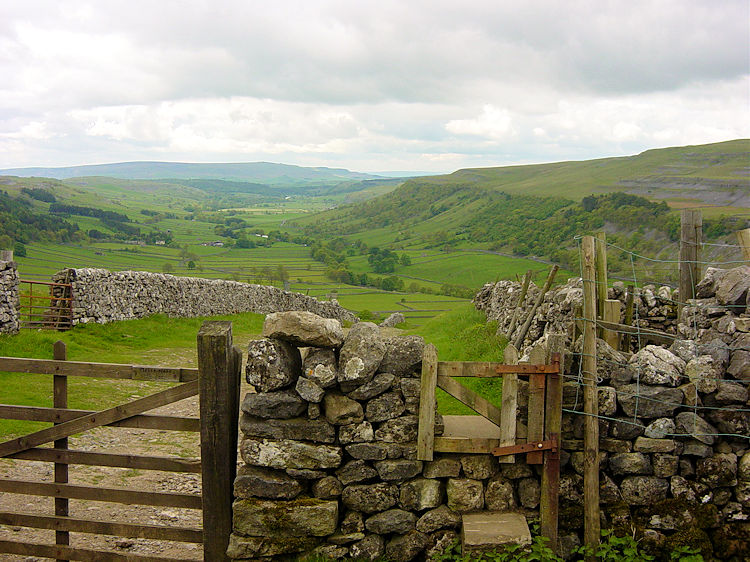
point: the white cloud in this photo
(366, 84)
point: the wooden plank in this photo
(219, 369)
(646, 333)
(98, 370)
(116, 460)
(78, 525)
(611, 313)
(518, 342)
(550, 488)
(485, 369)
(426, 431)
(743, 238)
(465, 445)
(470, 398)
(95, 493)
(60, 400)
(691, 234)
(590, 399)
(97, 419)
(509, 409)
(58, 415)
(69, 553)
(536, 405)
(519, 304)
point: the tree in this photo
(19, 250)
(191, 264)
(167, 267)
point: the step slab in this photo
(486, 530)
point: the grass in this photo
(465, 335)
(156, 339)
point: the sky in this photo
(418, 85)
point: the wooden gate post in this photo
(60, 400)
(426, 429)
(691, 234)
(591, 523)
(601, 274)
(743, 237)
(219, 365)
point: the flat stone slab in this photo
(470, 426)
(486, 530)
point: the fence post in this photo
(611, 313)
(743, 237)
(691, 234)
(219, 365)
(518, 342)
(60, 400)
(426, 429)
(601, 274)
(519, 304)
(591, 529)
(629, 302)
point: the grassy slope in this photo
(461, 334)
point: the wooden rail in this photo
(217, 381)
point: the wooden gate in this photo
(541, 440)
(216, 380)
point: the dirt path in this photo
(120, 440)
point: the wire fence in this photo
(693, 315)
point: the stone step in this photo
(486, 530)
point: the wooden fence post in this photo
(519, 304)
(426, 429)
(601, 274)
(509, 409)
(518, 342)
(60, 400)
(743, 237)
(590, 399)
(691, 234)
(611, 313)
(219, 365)
(550, 489)
(628, 321)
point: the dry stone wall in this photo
(105, 296)
(9, 300)
(654, 308)
(329, 445)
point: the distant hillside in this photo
(255, 172)
(539, 210)
(713, 174)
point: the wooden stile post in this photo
(601, 274)
(590, 399)
(219, 365)
(60, 400)
(628, 321)
(550, 489)
(509, 409)
(743, 237)
(612, 310)
(518, 342)
(537, 385)
(519, 304)
(426, 431)
(691, 234)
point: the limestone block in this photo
(370, 548)
(272, 364)
(327, 488)
(398, 469)
(643, 490)
(403, 356)
(649, 401)
(367, 451)
(630, 463)
(309, 390)
(370, 498)
(384, 407)
(420, 494)
(403, 548)
(356, 433)
(303, 328)
(320, 367)
(391, 521)
(378, 385)
(356, 471)
(252, 481)
(398, 430)
(439, 518)
(293, 518)
(286, 454)
(340, 410)
(252, 548)
(655, 365)
(299, 429)
(689, 423)
(360, 356)
(280, 404)
(479, 467)
(464, 495)
(444, 467)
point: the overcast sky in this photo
(424, 85)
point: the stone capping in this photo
(105, 296)
(9, 297)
